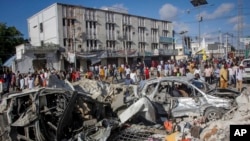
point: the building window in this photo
(126, 20)
(41, 27)
(90, 15)
(64, 41)
(110, 45)
(165, 33)
(142, 46)
(141, 34)
(154, 35)
(154, 46)
(141, 22)
(64, 22)
(110, 17)
(42, 42)
(91, 44)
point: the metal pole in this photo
(74, 45)
(199, 27)
(220, 44)
(126, 50)
(226, 47)
(174, 43)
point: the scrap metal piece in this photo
(143, 107)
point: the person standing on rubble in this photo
(121, 71)
(133, 76)
(31, 82)
(111, 73)
(101, 73)
(142, 82)
(223, 76)
(21, 82)
(147, 72)
(239, 79)
(128, 80)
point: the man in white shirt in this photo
(239, 79)
(231, 75)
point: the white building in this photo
(85, 32)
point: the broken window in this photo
(165, 87)
(181, 90)
(151, 88)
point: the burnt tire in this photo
(212, 114)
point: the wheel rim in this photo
(212, 116)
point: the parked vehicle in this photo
(246, 73)
(182, 96)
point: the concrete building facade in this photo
(89, 34)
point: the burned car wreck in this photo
(95, 110)
(57, 114)
(182, 96)
(36, 114)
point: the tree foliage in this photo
(10, 37)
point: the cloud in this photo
(238, 26)
(168, 12)
(180, 26)
(236, 19)
(220, 11)
(116, 7)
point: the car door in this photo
(186, 106)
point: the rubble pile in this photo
(97, 110)
(219, 130)
(191, 128)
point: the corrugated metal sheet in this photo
(9, 62)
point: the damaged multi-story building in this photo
(88, 36)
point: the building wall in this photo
(25, 64)
(20, 50)
(54, 31)
(43, 26)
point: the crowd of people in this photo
(223, 73)
(17, 81)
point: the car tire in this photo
(212, 114)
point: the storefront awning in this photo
(10, 61)
(95, 61)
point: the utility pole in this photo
(74, 47)
(226, 44)
(226, 57)
(173, 32)
(125, 43)
(198, 3)
(220, 44)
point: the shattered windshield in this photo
(203, 86)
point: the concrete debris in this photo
(95, 110)
(128, 103)
(240, 115)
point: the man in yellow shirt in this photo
(223, 76)
(101, 73)
(121, 71)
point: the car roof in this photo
(171, 78)
(28, 91)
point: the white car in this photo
(246, 73)
(182, 96)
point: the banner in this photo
(186, 45)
